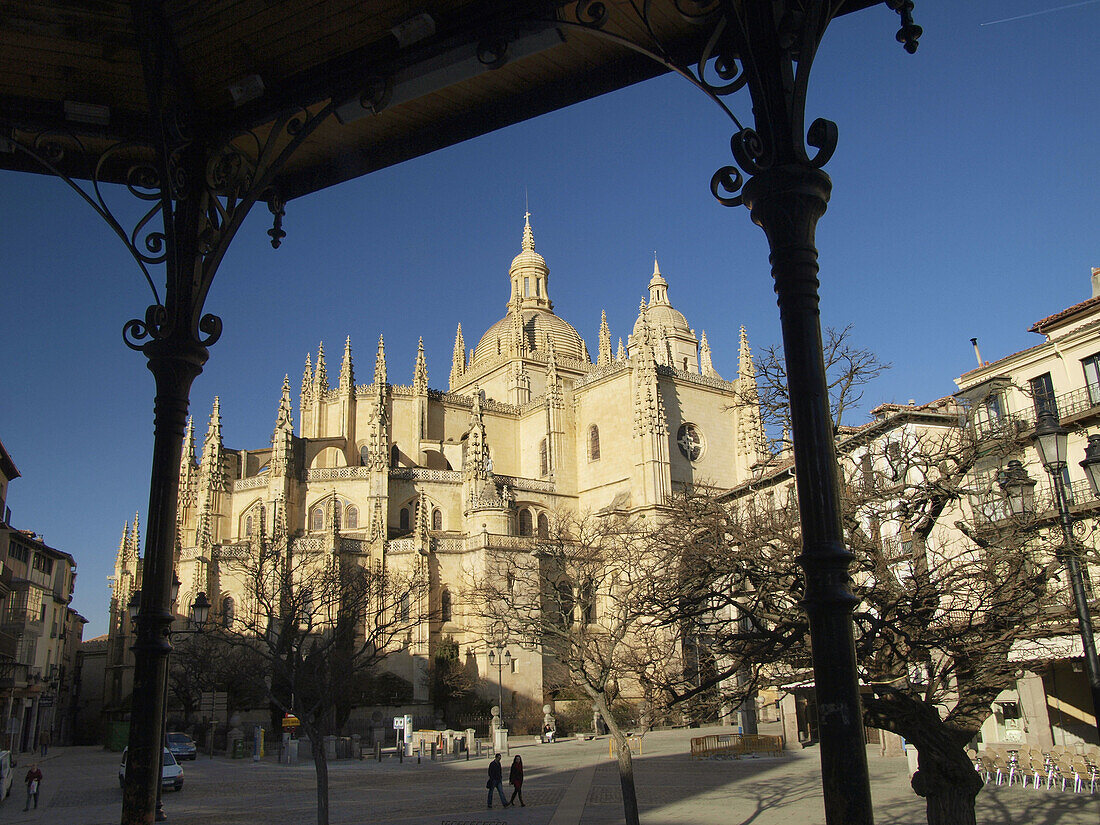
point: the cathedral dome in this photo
(540, 329)
(660, 313)
(530, 277)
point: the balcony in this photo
(1078, 405)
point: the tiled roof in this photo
(1042, 326)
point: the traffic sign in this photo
(399, 723)
(291, 721)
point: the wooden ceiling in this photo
(57, 53)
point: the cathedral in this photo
(406, 474)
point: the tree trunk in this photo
(945, 777)
(625, 761)
(949, 784)
(320, 764)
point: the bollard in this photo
(401, 752)
(418, 749)
(378, 751)
(433, 751)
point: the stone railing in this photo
(531, 485)
(448, 545)
(309, 544)
(398, 546)
(357, 546)
(695, 378)
(337, 473)
(251, 483)
(424, 474)
(599, 373)
(241, 550)
(189, 553)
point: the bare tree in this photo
(577, 597)
(322, 620)
(848, 369)
(946, 581)
(205, 661)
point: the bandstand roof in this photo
(72, 69)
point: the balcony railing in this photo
(1078, 401)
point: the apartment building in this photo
(1062, 374)
(39, 633)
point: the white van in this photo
(7, 774)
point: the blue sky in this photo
(964, 204)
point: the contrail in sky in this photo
(1044, 11)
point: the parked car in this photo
(7, 773)
(182, 746)
(171, 772)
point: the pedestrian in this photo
(33, 780)
(547, 733)
(515, 779)
(494, 782)
(44, 740)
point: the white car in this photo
(7, 773)
(171, 772)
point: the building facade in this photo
(1051, 704)
(399, 475)
(39, 635)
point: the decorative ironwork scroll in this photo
(768, 47)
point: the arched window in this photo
(317, 518)
(364, 455)
(351, 517)
(525, 522)
(404, 518)
(229, 611)
(544, 459)
(544, 526)
(593, 443)
(395, 455)
(588, 602)
(404, 609)
(566, 603)
(306, 604)
(445, 605)
(248, 525)
(437, 519)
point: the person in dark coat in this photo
(515, 779)
(33, 780)
(495, 782)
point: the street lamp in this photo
(500, 655)
(1050, 442)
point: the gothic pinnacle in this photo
(420, 374)
(320, 378)
(347, 371)
(706, 365)
(283, 420)
(307, 381)
(604, 356)
(380, 365)
(458, 359)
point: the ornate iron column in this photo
(772, 53)
(770, 48)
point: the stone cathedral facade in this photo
(405, 474)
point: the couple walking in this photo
(515, 779)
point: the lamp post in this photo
(499, 655)
(1050, 442)
(196, 621)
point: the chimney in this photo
(978, 352)
(1095, 281)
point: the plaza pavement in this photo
(567, 783)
